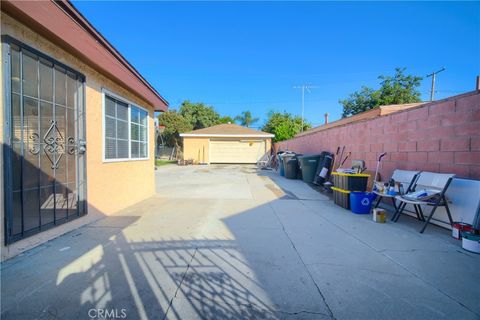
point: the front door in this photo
(44, 150)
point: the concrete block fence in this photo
(440, 136)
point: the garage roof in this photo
(227, 130)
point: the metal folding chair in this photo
(264, 162)
(406, 178)
(438, 182)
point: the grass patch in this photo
(161, 162)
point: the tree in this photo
(199, 115)
(284, 125)
(360, 101)
(226, 119)
(246, 119)
(174, 124)
(398, 89)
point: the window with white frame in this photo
(138, 132)
(126, 130)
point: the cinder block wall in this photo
(442, 136)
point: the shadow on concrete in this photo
(189, 279)
(246, 267)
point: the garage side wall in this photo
(196, 149)
(268, 146)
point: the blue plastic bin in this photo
(361, 202)
(280, 165)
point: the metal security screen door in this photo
(44, 153)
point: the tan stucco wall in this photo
(196, 149)
(110, 186)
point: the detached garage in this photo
(226, 143)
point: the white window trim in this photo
(106, 92)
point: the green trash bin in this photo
(308, 165)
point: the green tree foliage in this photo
(396, 89)
(174, 124)
(284, 125)
(246, 119)
(199, 115)
(226, 119)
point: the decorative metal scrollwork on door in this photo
(54, 144)
(35, 149)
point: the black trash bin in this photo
(291, 168)
(324, 168)
(285, 158)
(281, 163)
(299, 169)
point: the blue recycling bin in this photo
(361, 202)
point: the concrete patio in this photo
(228, 242)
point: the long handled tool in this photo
(378, 166)
(335, 158)
(341, 156)
(348, 155)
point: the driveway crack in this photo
(180, 284)
(304, 264)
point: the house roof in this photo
(227, 130)
(370, 114)
(62, 24)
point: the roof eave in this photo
(62, 24)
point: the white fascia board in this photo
(227, 135)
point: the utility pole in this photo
(304, 87)
(433, 75)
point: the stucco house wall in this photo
(111, 186)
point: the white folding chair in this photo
(431, 181)
(406, 178)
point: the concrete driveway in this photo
(228, 242)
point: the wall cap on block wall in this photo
(366, 115)
(381, 111)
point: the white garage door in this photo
(236, 151)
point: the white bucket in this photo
(471, 242)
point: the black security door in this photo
(44, 150)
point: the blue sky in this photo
(248, 56)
